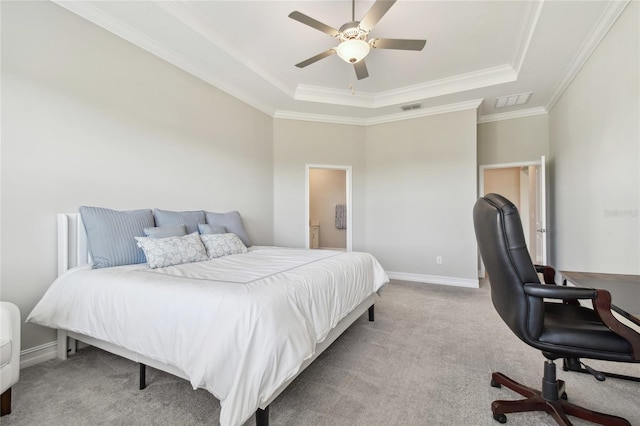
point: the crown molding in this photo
(425, 112)
(92, 14)
(192, 17)
(602, 27)
(512, 114)
(445, 86)
(460, 106)
(319, 118)
(528, 27)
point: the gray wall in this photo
(595, 156)
(298, 143)
(421, 187)
(90, 119)
(399, 175)
(513, 141)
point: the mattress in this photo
(239, 326)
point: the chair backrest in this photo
(506, 258)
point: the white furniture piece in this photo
(9, 352)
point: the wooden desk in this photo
(624, 289)
(625, 300)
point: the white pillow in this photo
(161, 252)
(219, 245)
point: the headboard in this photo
(72, 242)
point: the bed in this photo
(241, 326)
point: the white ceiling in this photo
(476, 51)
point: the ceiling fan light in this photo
(353, 51)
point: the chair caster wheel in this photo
(564, 396)
(495, 384)
(500, 418)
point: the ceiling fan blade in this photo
(397, 43)
(307, 20)
(316, 58)
(377, 11)
(361, 69)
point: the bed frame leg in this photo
(262, 416)
(62, 344)
(143, 376)
(371, 312)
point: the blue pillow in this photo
(205, 228)
(189, 219)
(232, 222)
(111, 235)
(165, 231)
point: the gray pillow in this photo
(111, 235)
(232, 222)
(189, 219)
(205, 228)
(165, 231)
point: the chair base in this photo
(534, 401)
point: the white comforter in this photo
(239, 326)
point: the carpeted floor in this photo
(426, 360)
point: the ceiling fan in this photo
(354, 47)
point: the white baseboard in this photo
(435, 279)
(38, 354)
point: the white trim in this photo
(92, 14)
(425, 112)
(445, 86)
(512, 114)
(192, 17)
(481, 170)
(320, 118)
(435, 279)
(602, 27)
(38, 354)
(348, 170)
(528, 27)
(408, 115)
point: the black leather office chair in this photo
(559, 330)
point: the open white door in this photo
(541, 213)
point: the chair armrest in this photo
(559, 292)
(601, 300)
(548, 273)
(602, 305)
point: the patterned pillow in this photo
(170, 251)
(219, 245)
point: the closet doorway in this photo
(525, 185)
(328, 207)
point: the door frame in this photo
(348, 170)
(481, 169)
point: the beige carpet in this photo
(426, 360)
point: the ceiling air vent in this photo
(507, 101)
(411, 106)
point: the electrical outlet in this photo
(439, 260)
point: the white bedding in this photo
(239, 326)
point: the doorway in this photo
(524, 184)
(328, 207)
